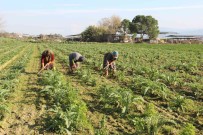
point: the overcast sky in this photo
(68, 17)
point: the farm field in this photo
(157, 90)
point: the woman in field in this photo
(47, 60)
(109, 62)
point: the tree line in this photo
(140, 24)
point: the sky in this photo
(68, 17)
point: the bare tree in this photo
(110, 25)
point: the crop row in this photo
(143, 84)
(8, 80)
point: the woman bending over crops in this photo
(109, 62)
(47, 60)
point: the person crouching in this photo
(74, 59)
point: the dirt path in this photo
(25, 103)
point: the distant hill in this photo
(193, 32)
(181, 31)
(168, 33)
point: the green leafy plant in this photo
(121, 98)
(151, 123)
(102, 127)
(105, 94)
(3, 94)
(58, 121)
(150, 110)
(200, 111)
(182, 104)
(188, 129)
(67, 112)
(52, 78)
(170, 79)
(148, 87)
(120, 76)
(3, 109)
(197, 89)
(126, 99)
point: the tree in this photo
(145, 25)
(152, 27)
(125, 24)
(92, 34)
(110, 25)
